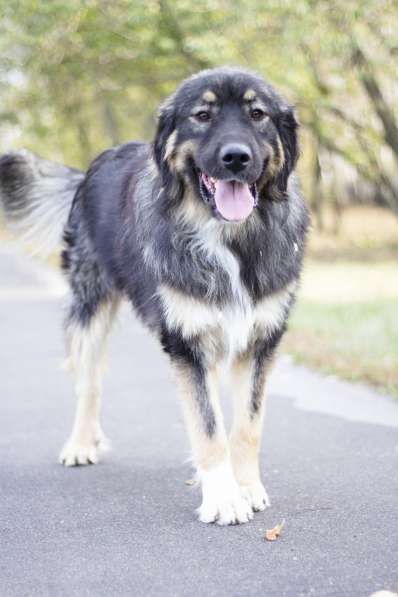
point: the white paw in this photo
(256, 496)
(230, 510)
(84, 450)
(222, 499)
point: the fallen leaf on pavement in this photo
(273, 534)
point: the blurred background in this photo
(79, 76)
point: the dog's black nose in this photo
(235, 156)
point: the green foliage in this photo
(80, 75)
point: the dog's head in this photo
(227, 135)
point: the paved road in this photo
(126, 527)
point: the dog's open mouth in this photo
(233, 200)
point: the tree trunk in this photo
(375, 95)
(84, 140)
(316, 192)
(110, 122)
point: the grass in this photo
(357, 341)
(346, 318)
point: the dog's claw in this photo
(83, 452)
(256, 496)
(234, 511)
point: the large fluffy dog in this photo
(203, 231)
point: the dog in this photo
(203, 231)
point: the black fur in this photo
(189, 355)
(128, 230)
(263, 352)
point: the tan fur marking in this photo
(246, 431)
(86, 346)
(185, 150)
(153, 170)
(170, 146)
(209, 97)
(192, 211)
(249, 95)
(207, 451)
(86, 357)
(281, 153)
(271, 162)
(229, 330)
(275, 161)
(274, 165)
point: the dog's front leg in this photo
(249, 372)
(222, 499)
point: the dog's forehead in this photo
(221, 85)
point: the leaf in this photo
(273, 534)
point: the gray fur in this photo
(36, 196)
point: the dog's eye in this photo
(257, 114)
(203, 116)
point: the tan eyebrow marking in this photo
(209, 97)
(249, 95)
(259, 104)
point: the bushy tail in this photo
(36, 196)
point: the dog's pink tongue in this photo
(234, 200)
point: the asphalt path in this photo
(127, 526)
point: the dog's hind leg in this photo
(87, 339)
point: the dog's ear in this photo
(287, 126)
(165, 127)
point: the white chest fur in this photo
(235, 324)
